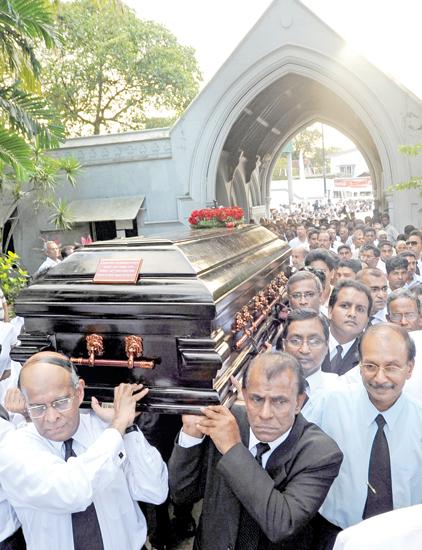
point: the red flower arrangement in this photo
(216, 217)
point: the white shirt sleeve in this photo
(186, 440)
(41, 479)
(145, 470)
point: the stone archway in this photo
(272, 117)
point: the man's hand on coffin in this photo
(125, 398)
(221, 426)
(104, 411)
(14, 401)
(190, 425)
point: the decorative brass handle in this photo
(95, 346)
(251, 316)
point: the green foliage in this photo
(415, 182)
(28, 125)
(113, 70)
(12, 276)
(25, 117)
(306, 140)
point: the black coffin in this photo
(183, 306)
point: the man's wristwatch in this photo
(133, 428)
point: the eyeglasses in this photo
(376, 289)
(307, 295)
(388, 369)
(397, 317)
(61, 405)
(313, 341)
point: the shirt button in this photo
(121, 455)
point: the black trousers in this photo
(324, 533)
(14, 542)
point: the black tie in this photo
(86, 529)
(261, 449)
(337, 359)
(3, 413)
(249, 530)
(380, 492)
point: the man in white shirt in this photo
(376, 281)
(414, 243)
(413, 278)
(304, 290)
(52, 251)
(403, 309)
(396, 530)
(300, 239)
(70, 475)
(11, 537)
(379, 430)
(305, 336)
(397, 272)
(389, 228)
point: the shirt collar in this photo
(332, 344)
(315, 381)
(81, 436)
(253, 441)
(370, 412)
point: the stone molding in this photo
(113, 153)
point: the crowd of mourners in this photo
(322, 450)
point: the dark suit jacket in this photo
(350, 360)
(282, 498)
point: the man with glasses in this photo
(414, 243)
(379, 430)
(304, 290)
(73, 478)
(305, 336)
(403, 309)
(322, 260)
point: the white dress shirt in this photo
(319, 381)
(379, 317)
(381, 265)
(9, 522)
(111, 471)
(296, 242)
(348, 416)
(332, 346)
(396, 530)
(8, 338)
(186, 441)
(48, 263)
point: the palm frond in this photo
(30, 115)
(14, 151)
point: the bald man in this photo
(73, 478)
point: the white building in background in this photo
(347, 164)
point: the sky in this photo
(386, 32)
